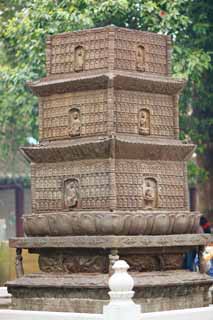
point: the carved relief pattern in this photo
(131, 176)
(63, 48)
(128, 108)
(48, 184)
(92, 105)
(64, 262)
(94, 176)
(141, 263)
(128, 222)
(97, 44)
(56, 115)
(72, 263)
(126, 46)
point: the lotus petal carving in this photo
(150, 221)
(87, 224)
(64, 225)
(104, 223)
(161, 224)
(110, 223)
(181, 223)
(117, 223)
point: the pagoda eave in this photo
(120, 147)
(124, 80)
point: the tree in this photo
(23, 40)
(195, 50)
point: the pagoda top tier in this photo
(108, 48)
(108, 81)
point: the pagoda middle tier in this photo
(116, 102)
(109, 159)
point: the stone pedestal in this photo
(76, 272)
(155, 291)
(109, 177)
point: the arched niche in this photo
(74, 122)
(79, 58)
(140, 58)
(71, 193)
(144, 121)
(150, 193)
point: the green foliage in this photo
(19, 180)
(195, 51)
(23, 45)
(196, 174)
(25, 25)
(4, 262)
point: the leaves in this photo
(196, 174)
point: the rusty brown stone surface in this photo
(110, 48)
(79, 260)
(73, 263)
(157, 262)
(102, 80)
(100, 148)
(64, 262)
(97, 280)
(112, 241)
(108, 223)
(108, 127)
(151, 300)
(89, 292)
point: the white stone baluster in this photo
(121, 306)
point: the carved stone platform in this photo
(113, 242)
(89, 292)
(94, 254)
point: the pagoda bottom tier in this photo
(155, 291)
(75, 271)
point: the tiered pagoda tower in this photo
(109, 176)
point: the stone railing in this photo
(120, 307)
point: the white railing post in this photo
(121, 305)
(5, 298)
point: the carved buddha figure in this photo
(150, 193)
(144, 122)
(74, 122)
(79, 57)
(71, 193)
(140, 58)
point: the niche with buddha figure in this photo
(144, 122)
(74, 122)
(79, 58)
(140, 58)
(71, 193)
(150, 193)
